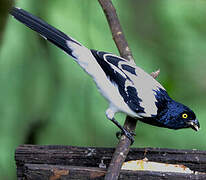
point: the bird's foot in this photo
(129, 135)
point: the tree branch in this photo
(116, 29)
(122, 148)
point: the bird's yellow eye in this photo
(184, 115)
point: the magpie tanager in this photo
(127, 88)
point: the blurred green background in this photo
(46, 98)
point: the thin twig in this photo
(122, 148)
(116, 29)
(155, 74)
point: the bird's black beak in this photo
(194, 124)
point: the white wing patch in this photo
(145, 85)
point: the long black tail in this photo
(47, 31)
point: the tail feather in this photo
(47, 31)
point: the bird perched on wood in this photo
(127, 88)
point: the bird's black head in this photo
(172, 114)
(179, 116)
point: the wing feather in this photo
(116, 75)
(137, 87)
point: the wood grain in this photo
(69, 162)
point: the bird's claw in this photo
(129, 135)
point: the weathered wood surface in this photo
(69, 162)
(54, 172)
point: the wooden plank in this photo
(54, 172)
(96, 157)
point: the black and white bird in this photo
(127, 88)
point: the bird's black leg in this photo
(129, 135)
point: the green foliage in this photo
(40, 85)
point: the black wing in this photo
(115, 73)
